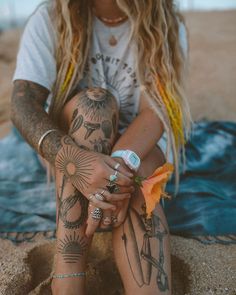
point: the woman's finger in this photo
(115, 197)
(106, 219)
(94, 218)
(121, 214)
(96, 201)
(119, 178)
(115, 165)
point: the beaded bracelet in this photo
(70, 275)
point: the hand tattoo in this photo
(75, 163)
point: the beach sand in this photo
(197, 269)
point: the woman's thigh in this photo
(141, 245)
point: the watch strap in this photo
(118, 154)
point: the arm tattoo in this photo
(29, 116)
(142, 258)
(72, 247)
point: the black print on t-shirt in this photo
(117, 77)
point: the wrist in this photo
(130, 158)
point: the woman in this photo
(111, 72)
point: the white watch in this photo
(130, 158)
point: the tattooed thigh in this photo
(146, 240)
(91, 119)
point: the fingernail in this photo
(107, 221)
(133, 188)
(113, 208)
(128, 196)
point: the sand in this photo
(197, 269)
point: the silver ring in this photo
(97, 214)
(113, 177)
(91, 198)
(99, 197)
(117, 166)
(114, 219)
(112, 187)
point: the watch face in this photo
(134, 160)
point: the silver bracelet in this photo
(70, 275)
(43, 137)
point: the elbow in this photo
(13, 111)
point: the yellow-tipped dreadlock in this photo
(175, 114)
(69, 75)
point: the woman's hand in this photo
(117, 217)
(89, 172)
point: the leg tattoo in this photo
(72, 248)
(76, 122)
(67, 204)
(143, 258)
(90, 127)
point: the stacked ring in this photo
(117, 166)
(114, 219)
(113, 177)
(97, 214)
(112, 187)
(91, 197)
(99, 197)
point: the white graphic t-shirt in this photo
(111, 67)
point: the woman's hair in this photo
(160, 59)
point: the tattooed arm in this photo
(30, 118)
(78, 165)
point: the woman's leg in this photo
(91, 119)
(141, 245)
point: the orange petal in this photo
(153, 186)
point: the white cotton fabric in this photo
(111, 67)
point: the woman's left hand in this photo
(109, 217)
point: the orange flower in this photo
(153, 186)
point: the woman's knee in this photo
(95, 104)
(91, 118)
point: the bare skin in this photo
(80, 155)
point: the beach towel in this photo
(204, 208)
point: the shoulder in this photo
(40, 24)
(183, 36)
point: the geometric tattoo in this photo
(143, 258)
(67, 204)
(72, 248)
(76, 165)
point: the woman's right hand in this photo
(89, 172)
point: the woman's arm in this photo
(143, 133)
(30, 118)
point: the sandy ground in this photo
(197, 269)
